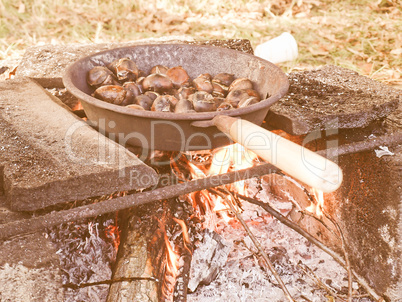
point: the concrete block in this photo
(369, 207)
(331, 95)
(49, 156)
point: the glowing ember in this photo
(112, 232)
(78, 106)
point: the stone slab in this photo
(29, 270)
(331, 97)
(46, 64)
(49, 156)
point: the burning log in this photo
(155, 252)
(183, 277)
(134, 262)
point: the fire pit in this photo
(200, 241)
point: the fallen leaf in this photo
(317, 52)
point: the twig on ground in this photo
(306, 213)
(313, 276)
(255, 241)
(130, 279)
(347, 262)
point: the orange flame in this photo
(77, 106)
(172, 259)
(186, 238)
(171, 273)
(113, 232)
(230, 158)
(317, 208)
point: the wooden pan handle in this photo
(295, 160)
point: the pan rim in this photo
(87, 98)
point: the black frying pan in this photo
(200, 131)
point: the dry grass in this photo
(365, 36)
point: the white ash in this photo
(85, 257)
(208, 259)
(245, 278)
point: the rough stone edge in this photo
(300, 127)
(395, 289)
(16, 198)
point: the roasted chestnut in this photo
(100, 75)
(133, 87)
(152, 94)
(224, 106)
(247, 102)
(157, 82)
(163, 103)
(252, 92)
(111, 93)
(224, 79)
(234, 97)
(179, 77)
(159, 69)
(139, 83)
(173, 100)
(183, 106)
(206, 76)
(203, 101)
(242, 96)
(144, 101)
(241, 83)
(203, 83)
(185, 92)
(219, 90)
(126, 69)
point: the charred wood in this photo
(137, 260)
(180, 289)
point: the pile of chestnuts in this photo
(169, 89)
